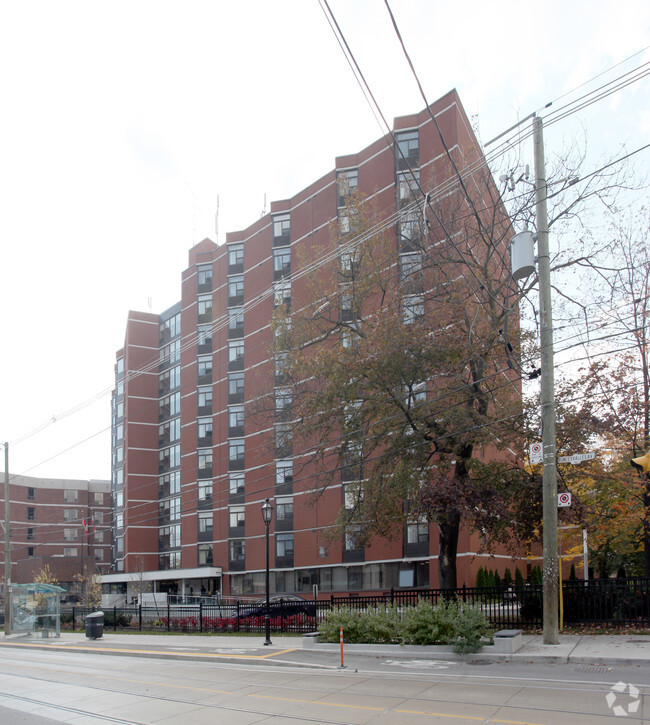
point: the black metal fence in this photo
(610, 602)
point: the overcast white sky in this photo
(123, 122)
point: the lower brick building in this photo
(64, 524)
(191, 466)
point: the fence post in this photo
(392, 595)
(115, 619)
(73, 622)
(140, 617)
(200, 616)
(168, 616)
(237, 625)
(464, 593)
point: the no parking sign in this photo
(564, 499)
(535, 453)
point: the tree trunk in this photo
(448, 531)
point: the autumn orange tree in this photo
(605, 405)
(399, 357)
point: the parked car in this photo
(280, 604)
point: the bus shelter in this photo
(36, 608)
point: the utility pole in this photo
(7, 547)
(549, 479)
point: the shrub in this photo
(448, 622)
(507, 577)
(375, 626)
(519, 578)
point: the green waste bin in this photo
(95, 625)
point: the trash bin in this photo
(95, 625)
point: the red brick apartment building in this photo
(190, 469)
(62, 523)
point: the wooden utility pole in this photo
(7, 547)
(549, 476)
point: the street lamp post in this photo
(267, 514)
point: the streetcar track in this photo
(311, 689)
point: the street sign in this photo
(576, 458)
(564, 499)
(535, 453)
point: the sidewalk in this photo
(296, 651)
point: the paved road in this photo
(85, 688)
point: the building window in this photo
(281, 263)
(69, 514)
(284, 509)
(98, 517)
(167, 381)
(407, 151)
(168, 484)
(69, 551)
(204, 277)
(280, 360)
(283, 440)
(169, 560)
(236, 517)
(235, 291)
(204, 431)
(284, 545)
(205, 490)
(31, 494)
(236, 355)
(204, 400)
(408, 186)
(236, 322)
(409, 232)
(99, 537)
(169, 458)
(169, 432)
(352, 537)
(282, 293)
(204, 369)
(283, 472)
(346, 183)
(170, 354)
(70, 534)
(170, 328)
(204, 308)
(236, 484)
(235, 420)
(235, 258)
(205, 555)
(205, 522)
(204, 338)
(169, 537)
(417, 533)
(70, 495)
(412, 309)
(283, 400)
(30, 552)
(99, 554)
(237, 549)
(204, 463)
(99, 498)
(30, 534)
(235, 387)
(169, 510)
(281, 230)
(236, 449)
(169, 406)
